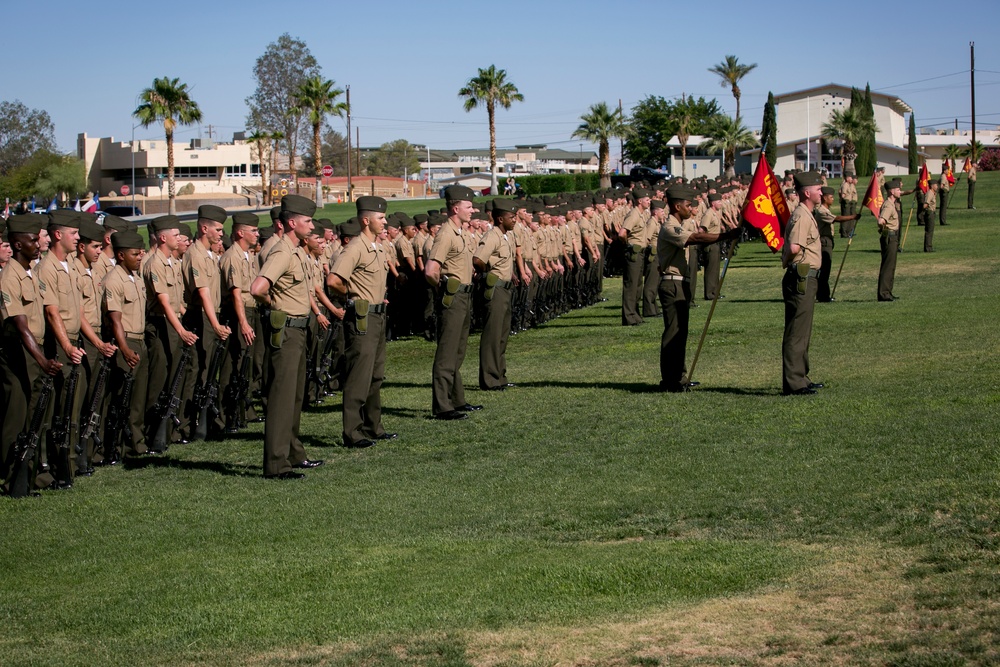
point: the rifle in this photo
(118, 421)
(239, 391)
(322, 375)
(170, 402)
(91, 427)
(205, 394)
(27, 442)
(62, 424)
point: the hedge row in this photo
(551, 183)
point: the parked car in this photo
(639, 173)
(123, 211)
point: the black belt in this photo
(297, 322)
(505, 284)
(378, 309)
(464, 288)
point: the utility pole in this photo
(358, 146)
(621, 143)
(349, 193)
(210, 131)
(972, 87)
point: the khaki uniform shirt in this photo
(404, 251)
(930, 200)
(453, 250)
(126, 294)
(945, 183)
(200, 269)
(90, 298)
(363, 267)
(845, 191)
(57, 285)
(803, 231)
(237, 269)
(286, 268)
(635, 226)
(162, 275)
(20, 297)
(824, 220)
(102, 267)
(888, 217)
(496, 250)
(267, 247)
(670, 246)
(711, 222)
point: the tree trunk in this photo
(736, 94)
(171, 203)
(318, 161)
(265, 192)
(602, 167)
(684, 155)
(491, 112)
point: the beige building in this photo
(802, 113)
(207, 167)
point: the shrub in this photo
(990, 161)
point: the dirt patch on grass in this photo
(860, 605)
(855, 609)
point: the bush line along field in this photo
(580, 518)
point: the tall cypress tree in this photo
(769, 131)
(911, 147)
(865, 146)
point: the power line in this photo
(943, 76)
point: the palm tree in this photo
(684, 114)
(731, 72)
(952, 153)
(167, 101)
(276, 138)
(973, 150)
(727, 135)
(598, 126)
(317, 99)
(490, 88)
(849, 125)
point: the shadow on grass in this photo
(218, 467)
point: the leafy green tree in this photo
(769, 131)
(952, 152)
(727, 135)
(912, 156)
(864, 144)
(20, 182)
(64, 178)
(167, 101)
(285, 64)
(654, 121)
(393, 158)
(850, 126)
(490, 88)
(23, 132)
(599, 125)
(316, 99)
(731, 72)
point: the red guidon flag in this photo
(967, 166)
(924, 182)
(873, 196)
(765, 207)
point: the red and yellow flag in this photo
(967, 166)
(765, 207)
(924, 182)
(873, 196)
(948, 174)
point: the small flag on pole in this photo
(924, 183)
(873, 196)
(53, 205)
(765, 207)
(92, 205)
(967, 166)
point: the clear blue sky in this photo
(85, 63)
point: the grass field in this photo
(581, 518)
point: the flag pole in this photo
(902, 244)
(711, 311)
(850, 239)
